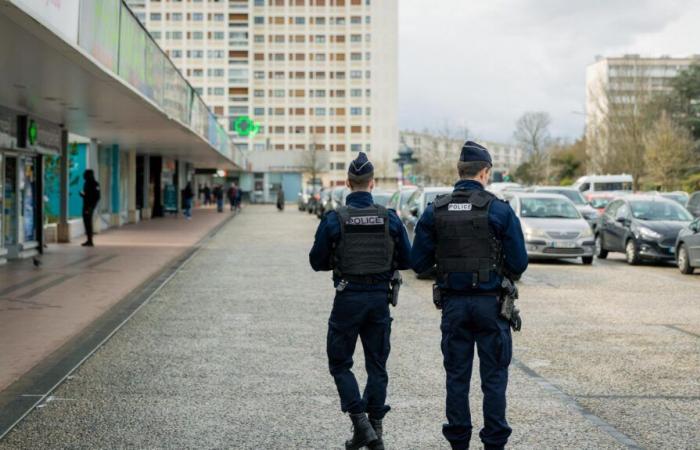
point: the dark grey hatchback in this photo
(688, 247)
(641, 227)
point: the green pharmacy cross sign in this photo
(32, 132)
(245, 126)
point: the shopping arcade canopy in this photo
(97, 72)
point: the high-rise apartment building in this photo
(616, 84)
(299, 74)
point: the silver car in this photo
(552, 226)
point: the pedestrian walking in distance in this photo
(475, 240)
(207, 195)
(232, 193)
(363, 244)
(187, 197)
(91, 196)
(280, 200)
(219, 198)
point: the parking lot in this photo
(231, 354)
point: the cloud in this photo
(484, 63)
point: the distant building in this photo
(441, 154)
(307, 73)
(616, 83)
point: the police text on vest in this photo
(459, 207)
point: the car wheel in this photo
(600, 251)
(632, 252)
(683, 260)
(587, 260)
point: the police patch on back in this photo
(365, 220)
(459, 207)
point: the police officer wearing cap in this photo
(475, 240)
(363, 244)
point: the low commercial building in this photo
(89, 69)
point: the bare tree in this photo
(438, 156)
(622, 112)
(314, 161)
(532, 135)
(668, 147)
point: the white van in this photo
(604, 183)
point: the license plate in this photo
(564, 244)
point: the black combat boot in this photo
(379, 430)
(362, 432)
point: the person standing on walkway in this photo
(232, 194)
(207, 194)
(91, 196)
(280, 199)
(476, 240)
(239, 196)
(364, 244)
(187, 196)
(219, 197)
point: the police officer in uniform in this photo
(475, 239)
(363, 244)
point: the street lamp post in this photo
(405, 158)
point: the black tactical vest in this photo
(465, 242)
(366, 246)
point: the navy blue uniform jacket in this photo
(328, 234)
(504, 224)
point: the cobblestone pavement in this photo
(231, 354)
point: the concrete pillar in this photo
(115, 220)
(147, 210)
(133, 214)
(63, 228)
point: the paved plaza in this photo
(230, 353)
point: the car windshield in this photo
(554, 208)
(600, 202)
(574, 196)
(655, 210)
(380, 198)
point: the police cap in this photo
(471, 151)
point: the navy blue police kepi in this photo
(471, 151)
(361, 168)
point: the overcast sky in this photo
(482, 63)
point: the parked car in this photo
(694, 204)
(381, 197)
(400, 197)
(338, 195)
(416, 204)
(688, 247)
(641, 227)
(587, 211)
(324, 202)
(599, 200)
(679, 196)
(499, 188)
(552, 226)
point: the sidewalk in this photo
(41, 308)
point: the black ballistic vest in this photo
(365, 246)
(465, 242)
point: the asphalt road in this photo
(231, 354)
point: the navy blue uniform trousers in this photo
(469, 320)
(364, 314)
